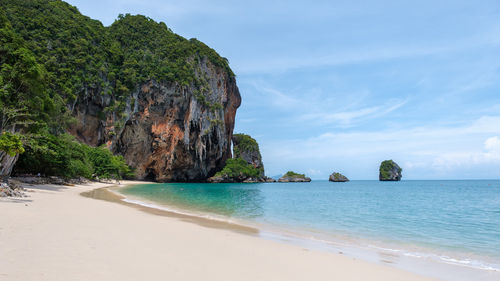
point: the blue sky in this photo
(342, 85)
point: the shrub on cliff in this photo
(244, 143)
(237, 167)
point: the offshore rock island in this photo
(291, 176)
(389, 171)
(337, 177)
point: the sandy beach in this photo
(57, 234)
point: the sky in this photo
(343, 85)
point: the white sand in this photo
(57, 234)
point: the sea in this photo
(448, 229)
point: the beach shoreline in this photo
(424, 261)
(57, 234)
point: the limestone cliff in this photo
(164, 102)
(167, 131)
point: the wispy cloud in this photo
(324, 109)
(350, 118)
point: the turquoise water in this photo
(461, 217)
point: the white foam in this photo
(180, 212)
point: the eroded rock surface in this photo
(167, 131)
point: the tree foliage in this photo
(292, 174)
(81, 56)
(237, 167)
(11, 144)
(63, 156)
(24, 102)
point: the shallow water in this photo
(454, 221)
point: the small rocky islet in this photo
(291, 176)
(390, 171)
(337, 177)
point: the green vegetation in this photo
(338, 176)
(52, 57)
(24, 101)
(237, 167)
(292, 174)
(63, 156)
(79, 55)
(11, 144)
(244, 143)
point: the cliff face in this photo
(167, 131)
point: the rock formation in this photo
(338, 177)
(246, 166)
(246, 148)
(294, 177)
(389, 171)
(167, 133)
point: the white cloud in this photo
(492, 144)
